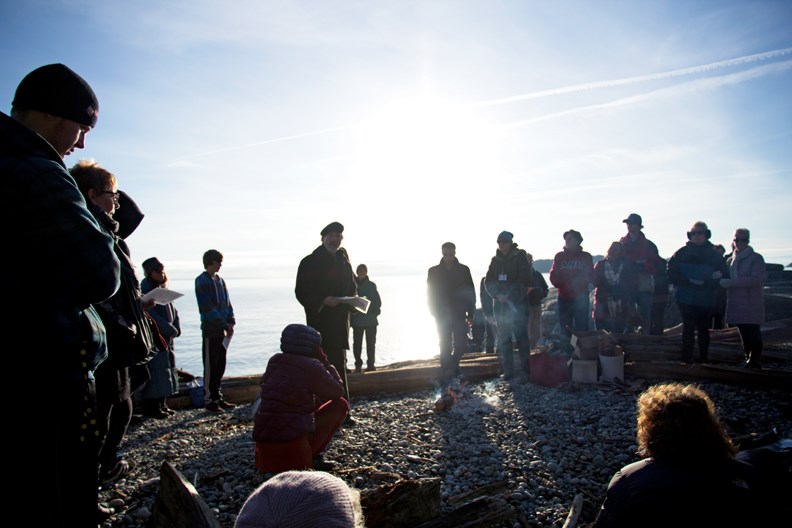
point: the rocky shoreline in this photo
(547, 444)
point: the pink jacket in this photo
(745, 298)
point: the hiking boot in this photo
(358, 370)
(119, 470)
(226, 406)
(214, 407)
(320, 464)
(371, 368)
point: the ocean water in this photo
(263, 307)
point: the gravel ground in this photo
(548, 444)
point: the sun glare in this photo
(426, 142)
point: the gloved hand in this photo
(725, 283)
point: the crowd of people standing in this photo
(106, 342)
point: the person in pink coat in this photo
(744, 295)
(301, 400)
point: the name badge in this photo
(502, 277)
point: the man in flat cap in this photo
(642, 254)
(571, 273)
(69, 264)
(509, 276)
(324, 278)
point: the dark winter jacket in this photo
(214, 305)
(654, 494)
(510, 275)
(162, 368)
(320, 275)
(69, 262)
(691, 270)
(450, 291)
(571, 273)
(367, 289)
(292, 388)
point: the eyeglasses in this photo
(741, 240)
(115, 194)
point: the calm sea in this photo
(263, 307)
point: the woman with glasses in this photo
(130, 338)
(695, 271)
(744, 285)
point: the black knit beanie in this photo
(300, 339)
(57, 90)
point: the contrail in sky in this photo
(641, 78)
(534, 95)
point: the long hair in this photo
(679, 423)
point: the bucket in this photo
(197, 395)
(548, 369)
(612, 367)
(584, 370)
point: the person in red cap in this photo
(69, 265)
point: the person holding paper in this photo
(365, 323)
(164, 381)
(323, 278)
(217, 326)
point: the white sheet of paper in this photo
(161, 296)
(226, 342)
(361, 304)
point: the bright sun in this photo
(426, 142)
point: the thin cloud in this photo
(768, 55)
(697, 85)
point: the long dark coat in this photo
(321, 275)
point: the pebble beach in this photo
(546, 445)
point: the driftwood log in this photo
(178, 504)
(649, 357)
(403, 504)
(574, 512)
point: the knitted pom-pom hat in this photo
(297, 499)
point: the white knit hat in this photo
(296, 499)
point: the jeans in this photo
(574, 313)
(512, 320)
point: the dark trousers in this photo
(61, 464)
(695, 319)
(113, 420)
(512, 320)
(658, 314)
(490, 336)
(214, 364)
(574, 313)
(337, 358)
(370, 333)
(751, 335)
(452, 333)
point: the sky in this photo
(247, 126)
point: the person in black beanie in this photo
(69, 266)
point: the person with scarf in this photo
(130, 338)
(614, 279)
(694, 270)
(302, 404)
(744, 285)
